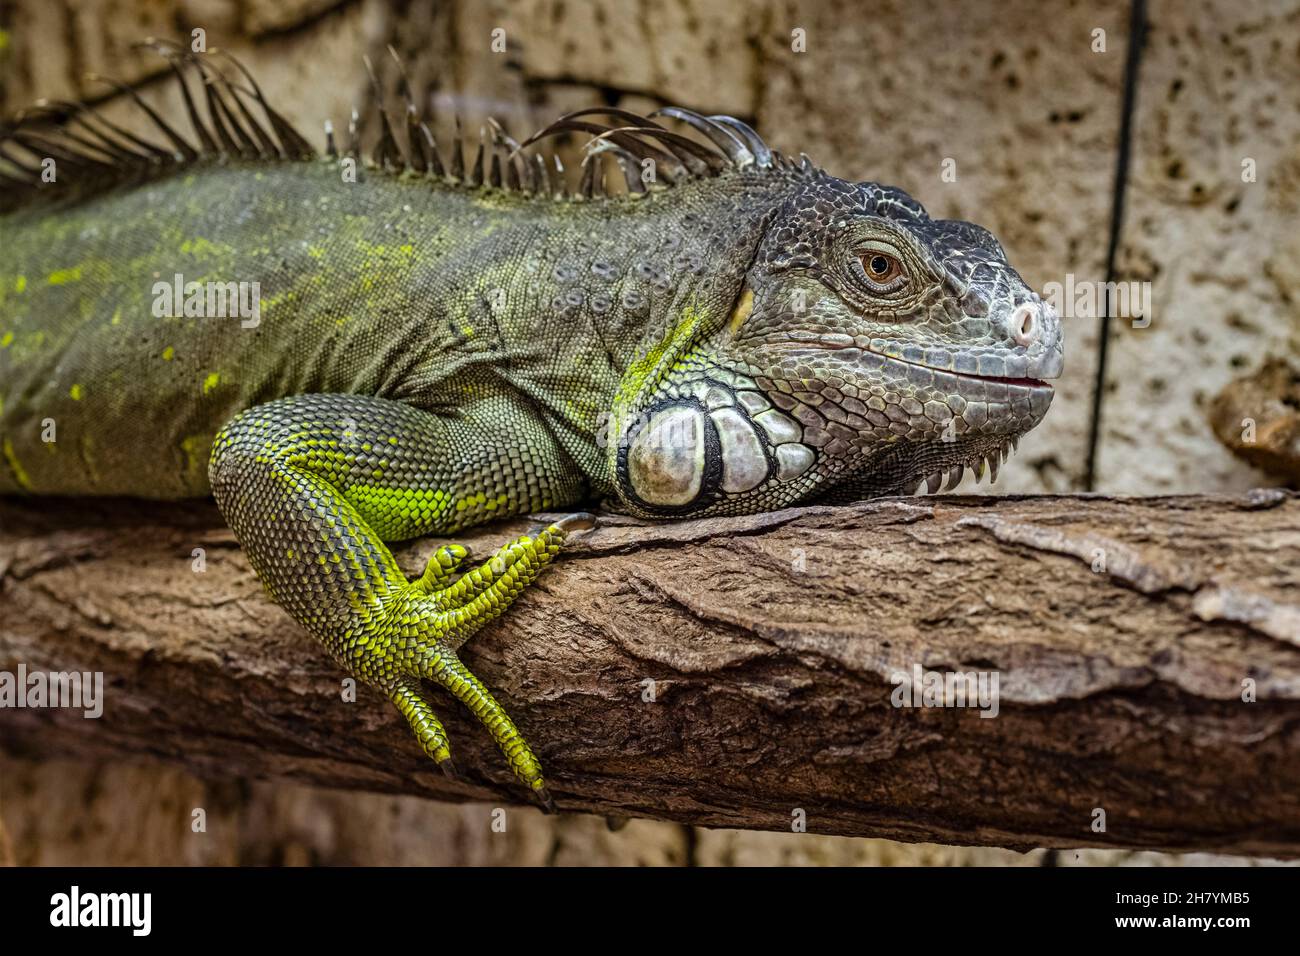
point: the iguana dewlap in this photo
(438, 343)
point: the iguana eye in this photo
(883, 270)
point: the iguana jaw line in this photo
(1036, 383)
(822, 345)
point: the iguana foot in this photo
(315, 485)
(424, 625)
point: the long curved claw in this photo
(544, 796)
(576, 522)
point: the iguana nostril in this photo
(1025, 323)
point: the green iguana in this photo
(436, 344)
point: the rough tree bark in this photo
(1124, 633)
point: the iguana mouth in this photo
(1023, 382)
(1031, 383)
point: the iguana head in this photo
(871, 349)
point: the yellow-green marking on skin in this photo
(199, 246)
(196, 448)
(76, 393)
(744, 306)
(168, 354)
(64, 276)
(20, 475)
(211, 382)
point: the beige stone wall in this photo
(1013, 92)
(1220, 86)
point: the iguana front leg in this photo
(314, 485)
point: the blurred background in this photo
(1009, 113)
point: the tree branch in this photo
(1120, 631)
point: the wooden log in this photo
(741, 672)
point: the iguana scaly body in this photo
(438, 346)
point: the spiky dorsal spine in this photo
(95, 154)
